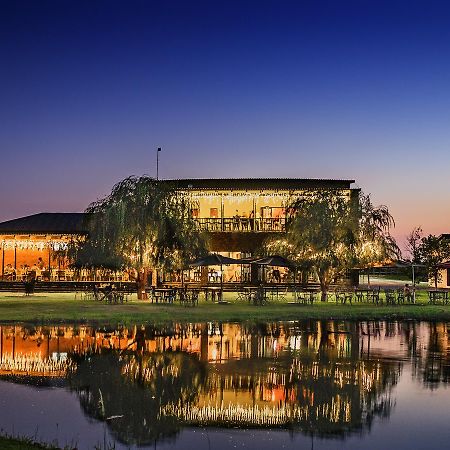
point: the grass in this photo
(64, 308)
(14, 443)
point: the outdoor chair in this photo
(242, 295)
(359, 295)
(116, 297)
(189, 298)
(96, 294)
(85, 294)
(60, 275)
(171, 296)
(348, 297)
(304, 297)
(259, 297)
(400, 296)
(283, 294)
(182, 294)
(194, 297)
(81, 293)
(374, 296)
(338, 296)
(409, 297)
(154, 295)
(390, 297)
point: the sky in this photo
(310, 89)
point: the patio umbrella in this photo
(275, 260)
(214, 259)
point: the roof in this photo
(260, 183)
(57, 223)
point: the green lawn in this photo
(55, 308)
(8, 443)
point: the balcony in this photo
(242, 224)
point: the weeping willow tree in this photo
(142, 224)
(331, 233)
(128, 389)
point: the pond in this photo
(307, 384)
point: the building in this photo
(38, 243)
(238, 214)
(443, 281)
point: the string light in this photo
(30, 244)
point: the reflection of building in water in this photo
(308, 375)
(326, 396)
(316, 377)
(212, 342)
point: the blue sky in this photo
(339, 89)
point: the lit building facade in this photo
(238, 215)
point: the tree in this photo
(333, 233)
(413, 242)
(143, 224)
(434, 250)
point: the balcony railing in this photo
(242, 224)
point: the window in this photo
(213, 212)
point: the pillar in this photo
(3, 260)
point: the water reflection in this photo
(323, 378)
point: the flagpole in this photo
(157, 163)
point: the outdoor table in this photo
(273, 291)
(115, 296)
(389, 295)
(163, 295)
(403, 296)
(348, 296)
(101, 292)
(305, 297)
(215, 291)
(343, 296)
(248, 292)
(437, 294)
(374, 295)
(259, 297)
(189, 297)
(360, 294)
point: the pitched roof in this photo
(57, 223)
(259, 183)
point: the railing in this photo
(242, 224)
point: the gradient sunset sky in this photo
(309, 89)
